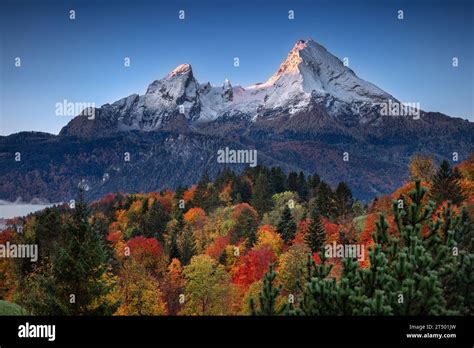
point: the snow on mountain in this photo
(310, 73)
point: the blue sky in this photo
(82, 60)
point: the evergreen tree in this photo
(316, 235)
(48, 229)
(302, 186)
(173, 250)
(188, 246)
(277, 180)
(420, 270)
(80, 265)
(241, 190)
(313, 183)
(76, 280)
(319, 291)
(246, 227)
(200, 197)
(325, 199)
(262, 195)
(153, 223)
(446, 185)
(179, 193)
(177, 227)
(268, 296)
(344, 200)
(145, 206)
(293, 182)
(287, 226)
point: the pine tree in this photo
(287, 226)
(293, 182)
(262, 195)
(325, 200)
(277, 180)
(316, 234)
(200, 194)
(173, 249)
(246, 227)
(319, 291)
(446, 185)
(302, 186)
(48, 230)
(344, 200)
(313, 183)
(241, 190)
(145, 206)
(450, 241)
(188, 246)
(177, 227)
(76, 283)
(268, 296)
(153, 222)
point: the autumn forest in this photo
(262, 242)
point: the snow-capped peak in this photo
(180, 69)
(311, 67)
(309, 74)
(289, 65)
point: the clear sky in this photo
(82, 60)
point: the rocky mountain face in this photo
(305, 117)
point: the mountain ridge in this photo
(309, 73)
(308, 116)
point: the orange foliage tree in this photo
(253, 266)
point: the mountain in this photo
(305, 117)
(309, 74)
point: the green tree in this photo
(302, 186)
(246, 227)
(287, 226)
(207, 288)
(187, 247)
(78, 278)
(423, 269)
(316, 235)
(319, 291)
(175, 228)
(268, 296)
(446, 185)
(277, 180)
(262, 194)
(293, 182)
(325, 200)
(153, 222)
(343, 200)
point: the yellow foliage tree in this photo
(268, 236)
(139, 292)
(421, 167)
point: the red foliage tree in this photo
(216, 249)
(252, 266)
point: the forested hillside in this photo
(262, 242)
